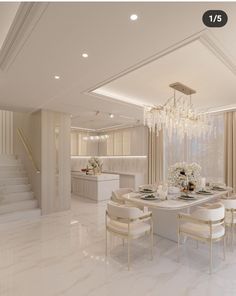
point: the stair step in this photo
(11, 168)
(15, 197)
(14, 181)
(18, 206)
(5, 189)
(10, 162)
(21, 215)
(13, 174)
(17, 200)
(7, 157)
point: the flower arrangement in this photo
(95, 164)
(183, 172)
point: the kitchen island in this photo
(94, 187)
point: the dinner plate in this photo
(204, 192)
(149, 198)
(147, 191)
(218, 189)
(187, 197)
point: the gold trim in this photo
(28, 149)
(128, 236)
(209, 239)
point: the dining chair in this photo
(128, 223)
(230, 216)
(206, 224)
(117, 195)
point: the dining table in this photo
(165, 212)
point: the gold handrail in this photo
(28, 149)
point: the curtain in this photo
(155, 157)
(230, 149)
(207, 151)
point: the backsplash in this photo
(125, 165)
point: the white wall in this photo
(6, 132)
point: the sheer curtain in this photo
(207, 151)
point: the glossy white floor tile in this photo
(63, 254)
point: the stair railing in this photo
(28, 149)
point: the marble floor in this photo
(63, 254)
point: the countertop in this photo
(102, 177)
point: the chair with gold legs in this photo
(230, 216)
(206, 224)
(128, 223)
(117, 195)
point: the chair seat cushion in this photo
(136, 228)
(202, 230)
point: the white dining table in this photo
(165, 212)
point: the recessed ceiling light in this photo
(111, 115)
(84, 55)
(57, 77)
(133, 17)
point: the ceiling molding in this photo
(118, 127)
(217, 49)
(205, 37)
(107, 98)
(107, 129)
(27, 16)
(146, 61)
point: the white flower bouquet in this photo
(183, 172)
(95, 164)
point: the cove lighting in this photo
(133, 17)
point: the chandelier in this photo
(177, 115)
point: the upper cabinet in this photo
(123, 142)
(82, 147)
(129, 141)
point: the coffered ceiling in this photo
(52, 38)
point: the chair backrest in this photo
(121, 211)
(229, 203)
(117, 194)
(212, 212)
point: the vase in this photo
(191, 186)
(96, 171)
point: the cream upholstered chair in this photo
(230, 215)
(205, 224)
(117, 195)
(128, 223)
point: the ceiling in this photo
(193, 64)
(55, 36)
(7, 14)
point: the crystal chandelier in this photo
(177, 115)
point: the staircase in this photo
(16, 197)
